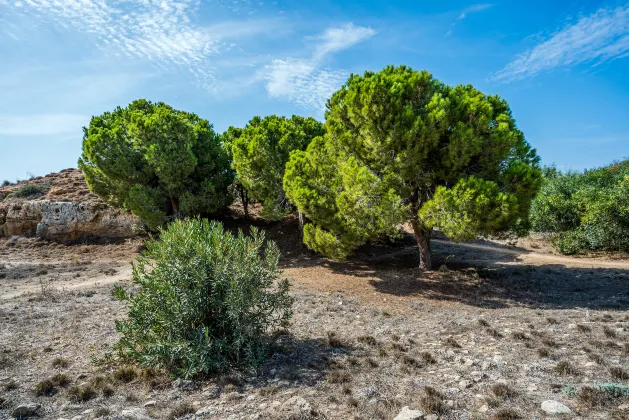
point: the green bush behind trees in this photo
(207, 300)
(260, 151)
(586, 211)
(402, 147)
(156, 161)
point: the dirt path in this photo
(534, 258)
(100, 280)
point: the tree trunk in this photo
(301, 226)
(174, 202)
(423, 243)
(244, 198)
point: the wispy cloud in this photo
(160, 31)
(42, 124)
(472, 9)
(597, 38)
(306, 82)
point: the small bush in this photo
(584, 328)
(29, 191)
(431, 401)
(60, 363)
(6, 183)
(367, 339)
(334, 341)
(180, 411)
(207, 300)
(427, 358)
(609, 333)
(507, 414)
(45, 388)
(564, 368)
(503, 391)
(618, 373)
(81, 393)
(451, 342)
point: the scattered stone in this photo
(26, 410)
(465, 384)
(205, 411)
(134, 413)
(151, 403)
(554, 407)
(408, 414)
(184, 384)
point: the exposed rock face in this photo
(67, 212)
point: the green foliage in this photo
(585, 211)
(29, 191)
(402, 147)
(156, 161)
(206, 301)
(260, 152)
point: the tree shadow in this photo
(481, 273)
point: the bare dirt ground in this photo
(493, 333)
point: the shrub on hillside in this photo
(585, 211)
(29, 191)
(206, 302)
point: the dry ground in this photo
(492, 334)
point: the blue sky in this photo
(563, 65)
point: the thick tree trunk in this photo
(423, 243)
(301, 225)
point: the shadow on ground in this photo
(486, 275)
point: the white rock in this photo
(151, 403)
(26, 410)
(206, 411)
(134, 413)
(408, 414)
(554, 407)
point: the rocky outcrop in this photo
(65, 221)
(66, 213)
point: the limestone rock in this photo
(554, 407)
(23, 411)
(408, 414)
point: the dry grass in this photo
(81, 393)
(181, 410)
(494, 333)
(609, 333)
(427, 358)
(431, 401)
(618, 373)
(60, 363)
(367, 339)
(584, 328)
(125, 374)
(334, 341)
(451, 342)
(503, 391)
(565, 368)
(339, 377)
(506, 414)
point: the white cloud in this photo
(302, 82)
(306, 82)
(338, 39)
(42, 124)
(472, 9)
(597, 38)
(160, 31)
